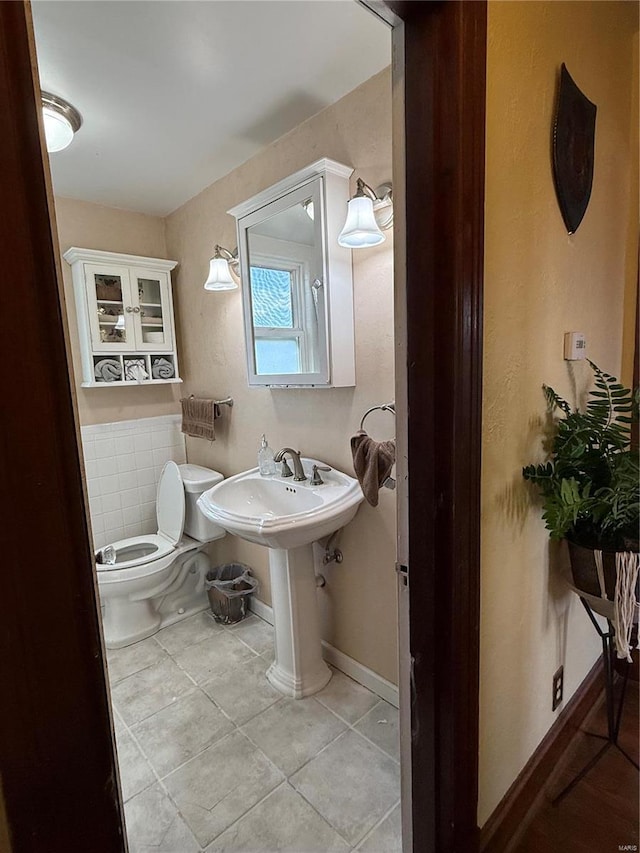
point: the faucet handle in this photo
(285, 471)
(316, 479)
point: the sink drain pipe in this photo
(331, 553)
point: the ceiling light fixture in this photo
(61, 121)
(220, 270)
(369, 213)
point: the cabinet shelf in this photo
(121, 383)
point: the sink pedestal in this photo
(298, 669)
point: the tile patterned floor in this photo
(213, 759)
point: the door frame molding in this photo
(439, 81)
(56, 743)
(57, 756)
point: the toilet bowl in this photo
(155, 579)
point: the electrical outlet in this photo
(558, 687)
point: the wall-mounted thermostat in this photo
(575, 346)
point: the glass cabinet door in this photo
(110, 308)
(152, 297)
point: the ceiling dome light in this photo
(61, 122)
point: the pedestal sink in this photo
(287, 517)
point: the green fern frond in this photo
(555, 401)
(590, 485)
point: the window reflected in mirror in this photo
(284, 265)
(277, 329)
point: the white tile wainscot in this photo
(123, 462)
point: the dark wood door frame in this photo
(57, 760)
(439, 79)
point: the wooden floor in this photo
(600, 815)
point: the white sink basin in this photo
(280, 513)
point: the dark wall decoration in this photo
(574, 131)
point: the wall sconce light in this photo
(369, 213)
(61, 122)
(220, 270)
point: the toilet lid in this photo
(170, 503)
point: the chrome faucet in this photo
(317, 480)
(298, 474)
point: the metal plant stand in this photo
(614, 715)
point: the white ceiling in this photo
(176, 94)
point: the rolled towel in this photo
(162, 368)
(108, 370)
(372, 462)
(198, 416)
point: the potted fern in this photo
(591, 496)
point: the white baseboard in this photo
(261, 609)
(361, 673)
(358, 671)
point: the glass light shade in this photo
(360, 229)
(219, 276)
(57, 130)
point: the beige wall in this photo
(359, 601)
(540, 283)
(92, 226)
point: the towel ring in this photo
(384, 407)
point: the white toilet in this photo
(158, 578)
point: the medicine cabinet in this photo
(297, 287)
(125, 318)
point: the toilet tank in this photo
(197, 480)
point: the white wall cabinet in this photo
(125, 318)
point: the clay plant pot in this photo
(585, 578)
(585, 573)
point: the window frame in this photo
(300, 281)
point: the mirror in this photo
(296, 281)
(286, 289)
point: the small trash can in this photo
(229, 587)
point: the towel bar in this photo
(228, 401)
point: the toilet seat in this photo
(148, 547)
(129, 571)
(170, 513)
(170, 505)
